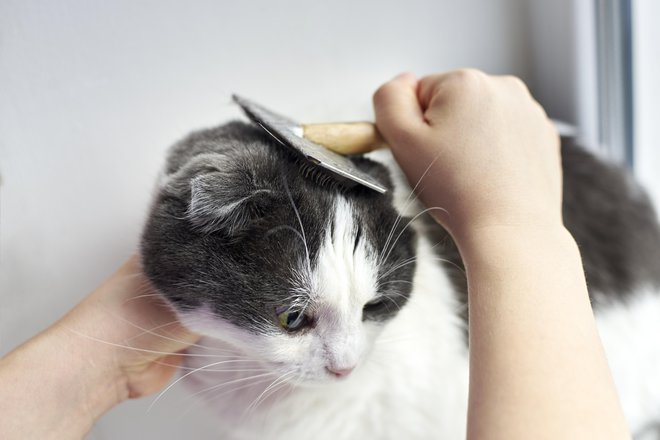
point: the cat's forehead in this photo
(348, 260)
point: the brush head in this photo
(317, 162)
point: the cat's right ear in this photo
(226, 201)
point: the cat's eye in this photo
(292, 320)
(375, 305)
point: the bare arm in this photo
(537, 367)
(112, 346)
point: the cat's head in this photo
(300, 276)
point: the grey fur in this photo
(223, 229)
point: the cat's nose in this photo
(340, 372)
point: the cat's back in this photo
(614, 224)
(616, 228)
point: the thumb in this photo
(399, 116)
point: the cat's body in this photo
(411, 369)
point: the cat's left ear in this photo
(227, 201)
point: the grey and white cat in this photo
(341, 314)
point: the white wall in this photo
(92, 93)
(563, 76)
(646, 71)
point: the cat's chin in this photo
(316, 383)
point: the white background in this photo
(93, 92)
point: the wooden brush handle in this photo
(345, 137)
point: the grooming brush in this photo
(314, 145)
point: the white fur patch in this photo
(631, 337)
(347, 276)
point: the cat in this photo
(337, 313)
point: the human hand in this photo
(480, 146)
(122, 341)
(487, 159)
(128, 321)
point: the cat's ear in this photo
(226, 201)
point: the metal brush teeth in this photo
(318, 175)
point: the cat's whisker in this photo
(302, 228)
(429, 209)
(407, 203)
(231, 382)
(208, 400)
(293, 385)
(274, 390)
(232, 369)
(143, 350)
(288, 228)
(396, 267)
(393, 293)
(392, 301)
(146, 295)
(397, 220)
(396, 281)
(153, 333)
(215, 370)
(444, 260)
(216, 396)
(412, 260)
(141, 282)
(267, 393)
(278, 228)
(256, 401)
(213, 364)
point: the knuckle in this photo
(465, 80)
(468, 76)
(382, 93)
(516, 82)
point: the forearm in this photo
(537, 368)
(120, 342)
(56, 386)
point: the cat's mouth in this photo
(299, 376)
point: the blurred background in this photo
(93, 92)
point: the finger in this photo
(513, 83)
(428, 86)
(398, 113)
(517, 87)
(434, 90)
(152, 377)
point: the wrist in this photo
(482, 239)
(94, 361)
(56, 386)
(529, 314)
(496, 248)
(91, 377)
(97, 383)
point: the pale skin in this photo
(120, 342)
(498, 181)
